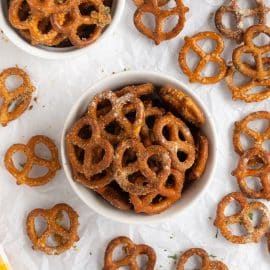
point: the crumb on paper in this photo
(173, 257)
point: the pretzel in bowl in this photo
(169, 191)
(37, 26)
(19, 97)
(91, 25)
(195, 75)
(139, 170)
(259, 71)
(242, 128)
(253, 234)
(22, 176)
(132, 251)
(63, 237)
(175, 136)
(243, 171)
(161, 15)
(206, 263)
(180, 103)
(237, 32)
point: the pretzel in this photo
(37, 25)
(214, 56)
(259, 11)
(159, 34)
(206, 263)
(132, 251)
(21, 96)
(179, 102)
(64, 237)
(116, 113)
(262, 173)
(169, 192)
(139, 170)
(259, 72)
(173, 143)
(254, 234)
(258, 138)
(139, 90)
(89, 154)
(202, 154)
(160, 2)
(113, 194)
(99, 19)
(22, 176)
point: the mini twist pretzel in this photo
(22, 176)
(237, 33)
(156, 202)
(139, 170)
(132, 251)
(64, 237)
(137, 90)
(159, 35)
(32, 25)
(98, 18)
(174, 128)
(92, 170)
(116, 113)
(182, 104)
(259, 71)
(23, 95)
(253, 234)
(262, 173)
(215, 56)
(258, 138)
(206, 263)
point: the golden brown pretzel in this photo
(253, 234)
(160, 2)
(258, 71)
(259, 11)
(214, 56)
(242, 172)
(159, 34)
(22, 176)
(64, 237)
(206, 263)
(21, 95)
(132, 251)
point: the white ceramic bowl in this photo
(56, 53)
(101, 206)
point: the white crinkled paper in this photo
(60, 84)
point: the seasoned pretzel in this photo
(22, 176)
(254, 234)
(169, 192)
(214, 56)
(177, 146)
(159, 34)
(99, 19)
(206, 263)
(89, 154)
(262, 173)
(116, 113)
(139, 90)
(179, 102)
(258, 138)
(160, 2)
(34, 24)
(64, 237)
(21, 96)
(202, 154)
(259, 71)
(139, 170)
(259, 11)
(132, 251)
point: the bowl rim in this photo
(45, 52)
(111, 212)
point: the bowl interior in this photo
(101, 206)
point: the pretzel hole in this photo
(245, 4)
(170, 23)
(86, 31)
(150, 121)
(24, 11)
(19, 160)
(248, 59)
(261, 40)
(266, 145)
(80, 153)
(86, 9)
(232, 208)
(85, 132)
(192, 59)
(104, 107)
(194, 262)
(13, 82)
(182, 156)
(131, 116)
(254, 183)
(120, 252)
(250, 21)
(38, 171)
(41, 225)
(238, 229)
(158, 199)
(63, 220)
(98, 154)
(258, 90)
(138, 179)
(169, 5)
(45, 26)
(208, 45)
(156, 163)
(256, 217)
(129, 157)
(171, 182)
(114, 128)
(142, 261)
(259, 125)
(41, 150)
(149, 21)
(246, 141)
(211, 69)
(55, 240)
(259, 164)
(229, 21)
(99, 176)
(15, 104)
(240, 79)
